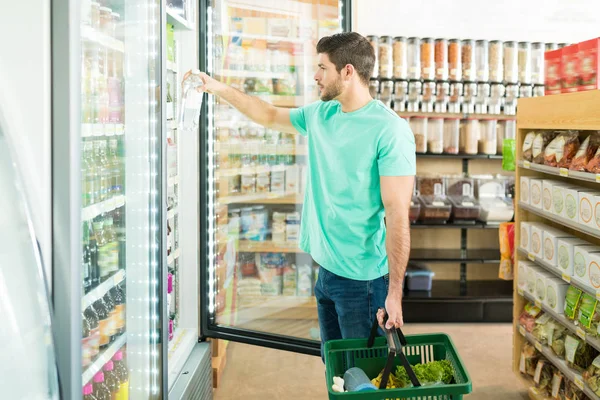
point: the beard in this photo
(332, 91)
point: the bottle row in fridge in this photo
(111, 377)
(460, 60)
(455, 136)
(451, 97)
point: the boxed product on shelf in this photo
(589, 64)
(550, 239)
(565, 254)
(532, 271)
(553, 63)
(570, 69)
(292, 179)
(571, 210)
(523, 267)
(581, 261)
(593, 275)
(525, 237)
(292, 227)
(278, 181)
(525, 190)
(556, 290)
(289, 280)
(541, 276)
(558, 198)
(536, 240)
(305, 284)
(535, 193)
(588, 202)
(270, 267)
(547, 185)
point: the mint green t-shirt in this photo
(342, 225)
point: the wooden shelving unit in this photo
(578, 111)
(499, 117)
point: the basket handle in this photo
(396, 340)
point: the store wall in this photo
(523, 20)
(25, 104)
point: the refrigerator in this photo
(256, 285)
(109, 198)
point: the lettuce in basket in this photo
(431, 373)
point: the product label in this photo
(571, 345)
(528, 142)
(580, 332)
(108, 258)
(557, 201)
(538, 371)
(551, 297)
(556, 383)
(571, 206)
(526, 164)
(549, 249)
(566, 278)
(579, 264)
(532, 310)
(538, 144)
(578, 382)
(563, 257)
(536, 194)
(594, 274)
(113, 319)
(563, 171)
(585, 210)
(547, 200)
(540, 291)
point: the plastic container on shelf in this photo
(482, 61)
(483, 98)
(418, 278)
(496, 210)
(469, 97)
(511, 62)
(435, 135)
(451, 135)
(496, 61)
(537, 63)
(469, 69)
(435, 210)
(374, 40)
(441, 59)
(418, 125)
(455, 97)
(510, 100)
(386, 63)
(507, 129)
(469, 136)
(386, 90)
(539, 90)
(465, 209)
(525, 62)
(414, 58)
(428, 96)
(400, 57)
(459, 185)
(431, 185)
(487, 141)
(497, 91)
(427, 59)
(489, 186)
(400, 94)
(415, 209)
(454, 60)
(374, 88)
(415, 88)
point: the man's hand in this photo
(210, 85)
(393, 308)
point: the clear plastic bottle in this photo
(386, 63)
(469, 69)
(414, 58)
(191, 102)
(496, 64)
(525, 63)
(91, 178)
(111, 248)
(511, 63)
(101, 164)
(482, 60)
(537, 63)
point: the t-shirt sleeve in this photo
(396, 152)
(298, 119)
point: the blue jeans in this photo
(347, 308)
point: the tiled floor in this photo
(254, 373)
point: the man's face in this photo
(328, 79)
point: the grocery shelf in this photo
(102, 130)
(173, 256)
(171, 66)
(261, 148)
(548, 267)
(90, 34)
(95, 210)
(564, 172)
(263, 198)
(99, 291)
(471, 256)
(228, 73)
(560, 318)
(455, 225)
(570, 374)
(172, 212)
(269, 38)
(178, 21)
(229, 172)
(560, 220)
(462, 156)
(103, 358)
(453, 301)
(406, 114)
(173, 180)
(250, 246)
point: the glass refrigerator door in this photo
(27, 364)
(259, 283)
(120, 153)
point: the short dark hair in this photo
(349, 48)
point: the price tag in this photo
(578, 382)
(580, 332)
(597, 178)
(531, 256)
(538, 304)
(520, 291)
(598, 295)
(567, 279)
(522, 331)
(538, 346)
(527, 164)
(564, 172)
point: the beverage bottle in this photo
(88, 392)
(119, 299)
(191, 102)
(123, 374)
(101, 390)
(86, 261)
(114, 88)
(111, 246)
(111, 379)
(112, 315)
(102, 167)
(91, 180)
(105, 252)
(86, 346)
(102, 85)
(116, 173)
(104, 323)
(94, 322)
(93, 255)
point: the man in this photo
(361, 163)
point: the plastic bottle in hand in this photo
(191, 102)
(356, 380)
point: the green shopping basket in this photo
(385, 353)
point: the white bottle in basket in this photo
(191, 102)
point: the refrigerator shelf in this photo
(90, 34)
(91, 212)
(105, 357)
(102, 130)
(261, 148)
(263, 198)
(250, 246)
(227, 73)
(222, 173)
(171, 66)
(178, 21)
(173, 256)
(102, 289)
(269, 38)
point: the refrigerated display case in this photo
(108, 188)
(256, 283)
